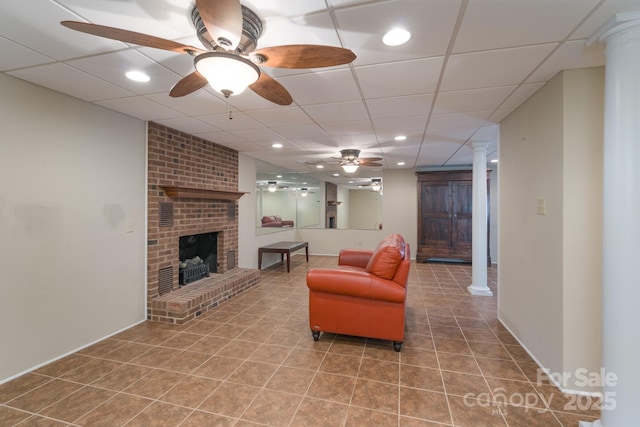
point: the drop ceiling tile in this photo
(398, 106)
(337, 112)
(181, 64)
(471, 100)
(227, 139)
(257, 135)
(238, 121)
(16, 56)
(431, 24)
(495, 24)
(400, 125)
(198, 103)
(141, 108)
(386, 139)
(188, 125)
(300, 131)
(573, 54)
(280, 116)
(437, 153)
(36, 25)
(463, 120)
(322, 87)
(493, 68)
(169, 19)
(112, 67)
(68, 80)
(348, 128)
(412, 77)
(459, 135)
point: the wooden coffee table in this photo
(283, 248)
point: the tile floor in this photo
(252, 361)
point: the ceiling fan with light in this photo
(230, 63)
(350, 160)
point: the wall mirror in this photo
(286, 199)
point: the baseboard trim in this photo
(40, 365)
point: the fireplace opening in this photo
(198, 257)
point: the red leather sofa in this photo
(365, 295)
(275, 221)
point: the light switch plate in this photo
(541, 208)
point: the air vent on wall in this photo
(165, 280)
(166, 214)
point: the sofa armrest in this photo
(354, 257)
(358, 284)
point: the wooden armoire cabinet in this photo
(444, 215)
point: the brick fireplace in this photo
(193, 189)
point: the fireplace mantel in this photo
(200, 193)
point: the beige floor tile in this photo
(252, 361)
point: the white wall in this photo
(550, 265)
(582, 227)
(73, 178)
(366, 209)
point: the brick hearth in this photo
(180, 160)
(193, 300)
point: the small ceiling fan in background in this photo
(230, 62)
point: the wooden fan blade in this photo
(223, 20)
(372, 164)
(271, 90)
(368, 160)
(188, 84)
(304, 56)
(130, 37)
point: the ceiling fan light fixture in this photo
(304, 191)
(350, 167)
(376, 184)
(272, 186)
(227, 73)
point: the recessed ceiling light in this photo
(400, 138)
(396, 37)
(400, 163)
(276, 145)
(137, 76)
(319, 166)
(336, 174)
(278, 176)
(494, 161)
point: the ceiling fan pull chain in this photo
(229, 112)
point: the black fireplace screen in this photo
(199, 247)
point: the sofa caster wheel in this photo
(397, 345)
(316, 335)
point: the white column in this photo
(621, 220)
(479, 224)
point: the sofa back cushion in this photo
(387, 257)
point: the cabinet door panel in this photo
(435, 215)
(462, 209)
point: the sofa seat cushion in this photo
(387, 257)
